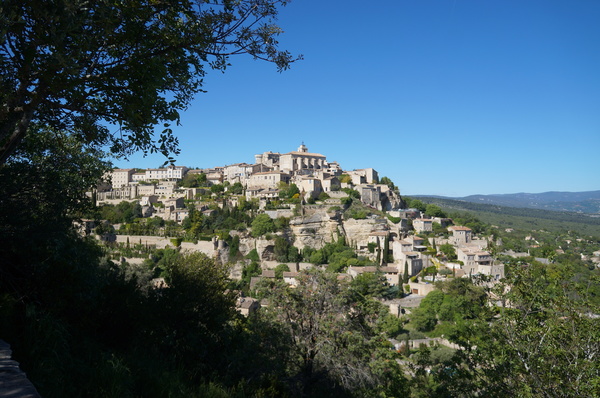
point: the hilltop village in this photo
(314, 198)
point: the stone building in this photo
(423, 225)
(239, 172)
(267, 161)
(269, 179)
(169, 173)
(302, 161)
(121, 177)
(479, 262)
(460, 235)
(363, 176)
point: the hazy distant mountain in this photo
(581, 202)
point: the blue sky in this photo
(445, 97)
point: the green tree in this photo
(237, 188)
(326, 346)
(280, 269)
(190, 180)
(424, 318)
(287, 191)
(261, 225)
(448, 251)
(345, 179)
(432, 210)
(416, 204)
(543, 342)
(84, 66)
(369, 284)
(281, 249)
(43, 189)
(217, 189)
(388, 182)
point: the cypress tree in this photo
(405, 276)
(386, 250)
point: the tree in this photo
(287, 191)
(388, 182)
(280, 269)
(432, 210)
(370, 284)
(281, 249)
(535, 338)
(194, 309)
(261, 225)
(326, 346)
(448, 251)
(237, 188)
(83, 66)
(43, 187)
(217, 189)
(416, 204)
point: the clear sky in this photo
(445, 97)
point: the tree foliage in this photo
(261, 225)
(83, 66)
(536, 335)
(334, 349)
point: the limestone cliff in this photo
(316, 229)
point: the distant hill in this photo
(521, 217)
(579, 202)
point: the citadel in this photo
(310, 172)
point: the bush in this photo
(347, 201)
(323, 196)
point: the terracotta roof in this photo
(459, 228)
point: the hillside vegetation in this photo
(579, 202)
(523, 218)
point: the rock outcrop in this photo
(316, 229)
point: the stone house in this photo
(460, 235)
(363, 176)
(421, 288)
(148, 200)
(247, 305)
(169, 173)
(290, 278)
(121, 177)
(239, 172)
(474, 261)
(390, 273)
(268, 179)
(423, 225)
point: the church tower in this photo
(302, 148)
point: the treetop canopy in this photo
(82, 66)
